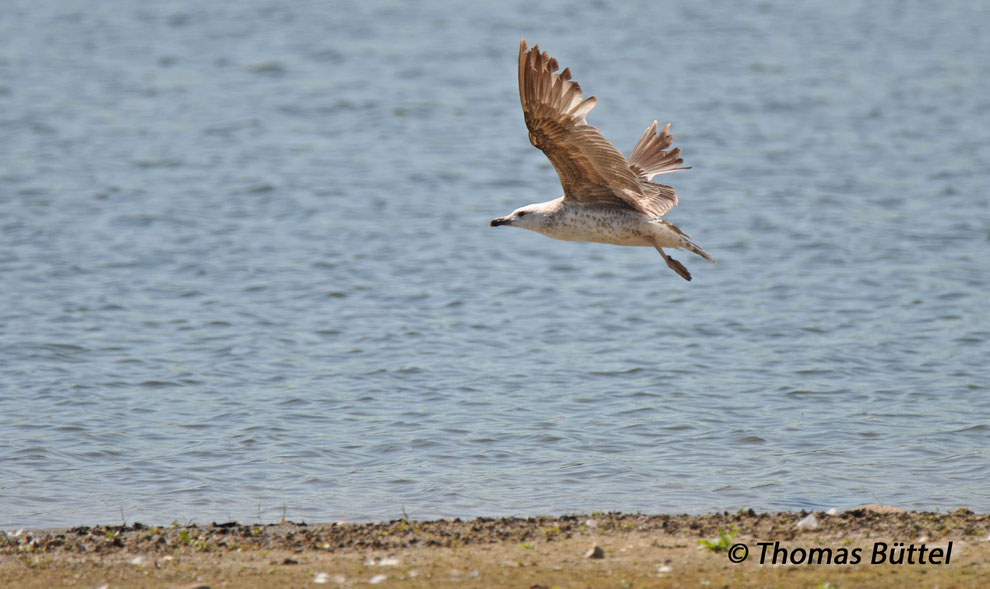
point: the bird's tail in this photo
(686, 242)
(693, 247)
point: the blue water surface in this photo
(246, 269)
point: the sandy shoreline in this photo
(635, 550)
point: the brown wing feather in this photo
(649, 157)
(657, 198)
(590, 168)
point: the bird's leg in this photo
(674, 264)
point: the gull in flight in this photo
(607, 198)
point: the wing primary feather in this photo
(652, 155)
(581, 110)
(591, 170)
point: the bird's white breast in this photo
(597, 224)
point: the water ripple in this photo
(247, 265)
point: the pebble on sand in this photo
(809, 522)
(323, 578)
(595, 552)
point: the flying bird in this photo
(607, 198)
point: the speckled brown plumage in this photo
(607, 198)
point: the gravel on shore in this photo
(858, 523)
(594, 550)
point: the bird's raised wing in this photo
(591, 170)
(650, 157)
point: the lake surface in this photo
(247, 271)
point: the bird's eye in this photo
(522, 213)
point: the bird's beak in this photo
(501, 221)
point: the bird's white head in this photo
(530, 217)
